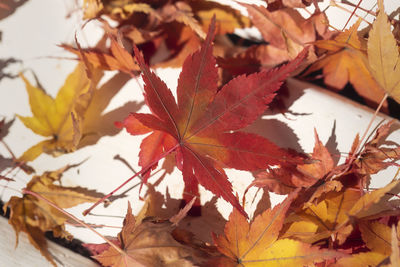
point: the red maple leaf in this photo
(202, 126)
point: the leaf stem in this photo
(145, 169)
(335, 4)
(26, 191)
(352, 14)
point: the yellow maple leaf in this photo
(383, 243)
(59, 118)
(383, 55)
(332, 217)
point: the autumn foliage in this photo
(330, 216)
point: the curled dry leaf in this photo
(117, 59)
(286, 33)
(375, 156)
(279, 26)
(148, 244)
(59, 118)
(35, 217)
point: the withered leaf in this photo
(375, 156)
(148, 244)
(35, 217)
(117, 59)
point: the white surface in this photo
(31, 34)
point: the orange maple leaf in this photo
(346, 61)
(257, 243)
(117, 59)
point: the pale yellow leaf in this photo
(383, 55)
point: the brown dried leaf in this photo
(148, 244)
(35, 217)
(376, 157)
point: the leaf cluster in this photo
(330, 216)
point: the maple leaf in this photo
(288, 177)
(286, 33)
(346, 61)
(59, 118)
(117, 59)
(334, 214)
(257, 243)
(35, 217)
(383, 55)
(203, 126)
(382, 240)
(377, 236)
(278, 26)
(148, 244)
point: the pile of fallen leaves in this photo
(330, 217)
